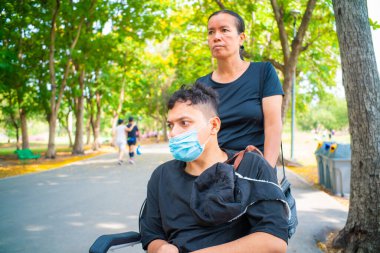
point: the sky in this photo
(374, 14)
(373, 7)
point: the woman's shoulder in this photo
(261, 64)
(205, 79)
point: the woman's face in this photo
(224, 39)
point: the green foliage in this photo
(330, 113)
(374, 24)
(148, 49)
(318, 62)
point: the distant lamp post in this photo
(295, 14)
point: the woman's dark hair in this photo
(120, 121)
(240, 26)
(195, 94)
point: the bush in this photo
(330, 114)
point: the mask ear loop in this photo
(204, 144)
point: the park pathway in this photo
(66, 209)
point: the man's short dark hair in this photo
(197, 94)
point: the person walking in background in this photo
(250, 93)
(133, 134)
(121, 135)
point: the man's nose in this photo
(174, 132)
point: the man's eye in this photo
(170, 126)
(185, 123)
(210, 32)
(225, 30)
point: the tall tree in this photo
(57, 91)
(78, 147)
(290, 52)
(80, 66)
(17, 29)
(362, 87)
(95, 122)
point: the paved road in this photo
(64, 210)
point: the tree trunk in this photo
(69, 135)
(164, 128)
(17, 134)
(50, 153)
(24, 129)
(55, 99)
(70, 127)
(290, 52)
(96, 126)
(362, 87)
(14, 121)
(90, 113)
(78, 143)
(20, 96)
(287, 87)
(67, 126)
(88, 130)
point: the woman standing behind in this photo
(250, 93)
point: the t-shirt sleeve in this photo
(151, 225)
(271, 83)
(204, 80)
(269, 216)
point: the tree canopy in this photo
(103, 60)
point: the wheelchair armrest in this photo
(104, 242)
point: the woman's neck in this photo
(229, 70)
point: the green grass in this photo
(7, 149)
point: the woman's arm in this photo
(272, 128)
(256, 242)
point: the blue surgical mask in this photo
(186, 147)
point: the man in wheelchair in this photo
(197, 202)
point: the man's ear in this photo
(215, 125)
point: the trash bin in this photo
(318, 157)
(339, 166)
(326, 165)
(321, 151)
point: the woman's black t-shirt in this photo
(240, 108)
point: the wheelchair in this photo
(104, 242)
